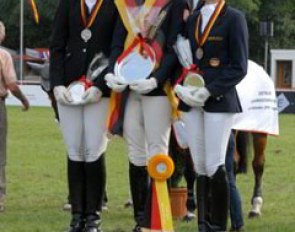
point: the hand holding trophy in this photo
(138, 60)
(77, 89)
(190, 76)
(136, 63)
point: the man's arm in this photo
(16, 91)
(10, 80)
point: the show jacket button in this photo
(84, 50)
(219, 98)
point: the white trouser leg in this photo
(218, 127)
(84, 130)
(147, 126)
(134, 130)
(95, 131)
(71, 124)
(157, 124)
(194, 125)
(208, 135)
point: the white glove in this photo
(144, 86)
(185, 94)
(116, 83)
(62, 95)
(93, 94)
(201, 96)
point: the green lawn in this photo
(37, 180)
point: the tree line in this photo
(281, 13)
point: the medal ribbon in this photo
(124, 5)
(161, 218)
(209, 25)
(143, 46)
(185, 71)
(87, 82)
(164, 206)
(89, 21)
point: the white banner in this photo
(259, 102)
(34, 93)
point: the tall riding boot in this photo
(76, 178)
(203, 203)
(219, 203)
(139, 182)
(190, 177)
(95, 187)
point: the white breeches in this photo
(147, 126)
(208, 135)
(84, 129)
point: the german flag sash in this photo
(127, 9)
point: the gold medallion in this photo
(214, 62)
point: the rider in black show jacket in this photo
(70, 56)
(208, 115)
(227, 42)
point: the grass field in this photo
(37, 180)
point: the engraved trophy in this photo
(78, 88)
(190, 76)
(136, 65)
(138, 60)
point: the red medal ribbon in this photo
(87, 82)
(143, 47)
(192, 68)
(89, 21)
(201, 41)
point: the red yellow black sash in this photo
(132, 41)
(87, 22)
(201, 41)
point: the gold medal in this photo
(199, 53)
(202, 40)
(86, 34)
(214, 62)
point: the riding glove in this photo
(144, 86)
(93, 94)
(62, 95)
(116, 83)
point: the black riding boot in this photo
(93, 223)
(139, 182)
(190, 178)
(95, 187)
(219, 203)
(76, 178)
(203, 203)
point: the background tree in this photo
(251, 9)
(282, 13)
(35, 35)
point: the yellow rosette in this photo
(160, 168)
